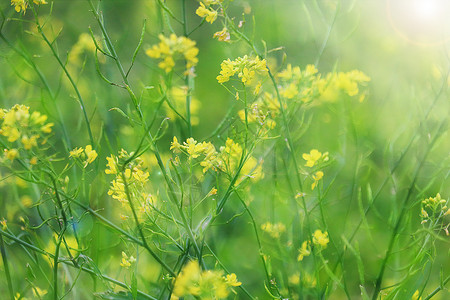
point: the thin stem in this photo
(6, 266)
(72, 82)
(403, 212)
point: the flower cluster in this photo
(127, 261)
(263, 111)
(245, 67)
(207, 11)
(227, 159)
(336, 85)
(308, 85)
(209, 284)
(315, 157)
(223, 35)
(433, 210)
(274, 230)
(87, 154)
(296, 83)
(24, 130)
(319, 238)
(172, 48)
(21, 5)
(132, 180)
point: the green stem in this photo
(6, 266)
(403, 211)
(72, 82)
(270, 283)
(64, 261)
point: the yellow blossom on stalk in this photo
(19, 5)
(76, 152)
(33, 160)
(212, 192)
(47, 128)
(3, 223)
(342, 83)
(90, 154)
(209, 284)
(415, 296)
(223, 35)
(245, 67)
(320, 238)
(38, 292)
(231, 280)
(127, 261)
(313, 157)
(175, 146)
(274, 230)
(317, 176)
(11, 154)
(305, 250)
(187, 280)
(112, 165)
(290, 91)
(29, 142)
(210, 14)
(173, 48)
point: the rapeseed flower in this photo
(274, 230)
(209, 14)
(173, 48)
(209, 284)
(314, 157)
(305, 250)
(245, 67)
(320, 238)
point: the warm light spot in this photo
(422, 22)
(426, 9)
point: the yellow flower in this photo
(223, 35)
(47, 128)
(91, 155)
(245, 67)
(186, 281)
(312, 158)
(305, 250)
(213, 191)
(202, 11)
(28, 143)
(290, 92)
(38, 292)
(3, 223)
(274, 230)
(127, 261)
(175, 146)
(11, 154)
(33, 160)
(415, 296)
(76, 152)
(317, 176)
(112, 168)
(19, 5)
(172, 48)
(320, 238)
(231, 280)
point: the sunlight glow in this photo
(421, 22)
(426, 9)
